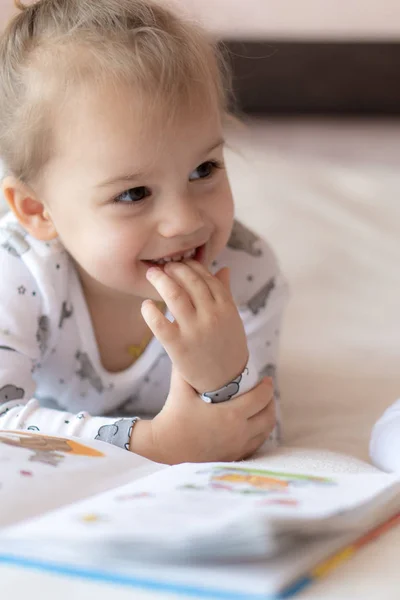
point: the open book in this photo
(223, 530)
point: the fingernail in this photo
(146, 302)
(151, 272)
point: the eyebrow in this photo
(141, 174)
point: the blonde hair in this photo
(52, 45)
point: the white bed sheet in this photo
(325, 194)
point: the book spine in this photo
(328, 565)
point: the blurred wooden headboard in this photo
(332, 77)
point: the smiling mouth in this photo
(194, 254)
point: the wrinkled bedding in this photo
(326, 196)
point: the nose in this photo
(180, 217)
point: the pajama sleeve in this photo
(261, 294)
(26, 333)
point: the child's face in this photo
(124, 189)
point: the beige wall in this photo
(6, 10)
(336, 19)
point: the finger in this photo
(224, 276)
(264, 422)
(217, 288)
(252, 402)
(174, 296)
(192, 282)
(162, 329)
(254, 444)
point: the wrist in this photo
(142, 441)
(247, 379)
(217, 377)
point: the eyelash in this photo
(215, 164)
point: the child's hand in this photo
(207, 342)
(189, 430)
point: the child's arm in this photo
(211, 341)
(385, 440)
(30, 416)
(262, 314)
(20, 410)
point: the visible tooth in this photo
(162, 261)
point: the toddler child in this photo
(127, 288)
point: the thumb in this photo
(224, 277)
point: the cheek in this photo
(116, 246)
(224, 213)
(101, 244)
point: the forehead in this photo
(122, 125)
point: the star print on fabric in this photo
(250, 278)
(21, 290)
(61, 381)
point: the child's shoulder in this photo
(18, 243)
(254, 269)
(35, 289)
(23, 255)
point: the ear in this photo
(29, 210)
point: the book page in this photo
(40, 472)
(217, 511)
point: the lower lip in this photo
(199, 256)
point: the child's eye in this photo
(133, 195)
(205, 170)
